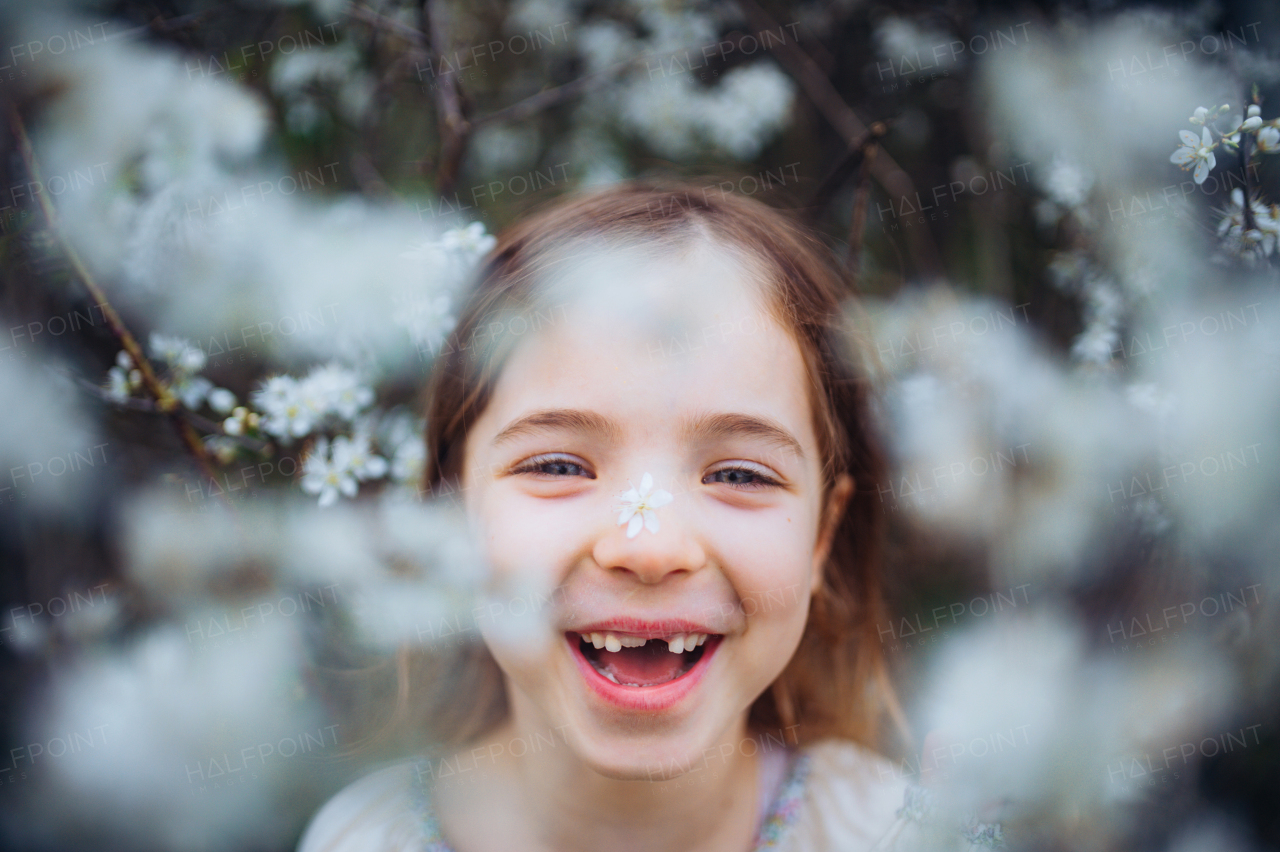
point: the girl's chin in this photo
(654, 758)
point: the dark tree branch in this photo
(840, 116)
(455, 130)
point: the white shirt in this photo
(840, 798)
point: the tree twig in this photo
(840, 116)
(165, 401)
(148, 406)
(557, 95)
(370, 16)
(860, 201)
(455, 130)
(839, 173)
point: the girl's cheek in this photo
(771, 550)
(528, 552)
(527, 538)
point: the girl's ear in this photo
(841, 491)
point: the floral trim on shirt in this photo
(431, 839)
(919, 807)
(786, 807)
(782, 815)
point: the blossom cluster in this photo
(181, 377)
(292, 408)
(1249, 228)
(1197, 152)
(332, 404)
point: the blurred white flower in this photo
(191, 390)
(1269, 140)
(604, 44)
(222, 400)
(471, 241)
(183, 745)
(286, 413)
(904, 41)
(358, 456)
(1252, 244)
(118, 385)
(1067, 182)
(41, 432)
(748, 108)
(409, 460)
(1103, 313)
(297, 76)
(328, 475)
(177, 353)
(338, 390)
(676, 116)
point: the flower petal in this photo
(1202, 171)
(1189, 138)
(646, 482)
(659, 498)
(633, 528)
(1206, 138)
(650, 522)
(1182, 156)
(626, 514)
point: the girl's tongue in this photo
(648, 665)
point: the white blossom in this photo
(328, 476)
(177, 353)
(118, 386)
(357, 455)
(1251, 244)
(222, 400)
(287, 412)
(1195, 153)
(471, 241)
(337, 390)
(638, 507)
(1067, 182)
(191, 390)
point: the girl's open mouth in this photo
(642, 672)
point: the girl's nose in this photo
(651, 557)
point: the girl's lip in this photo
(661, 697)
(647, 629)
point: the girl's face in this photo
(670, 370)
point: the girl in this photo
(651, 414)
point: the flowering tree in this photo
(235, 237)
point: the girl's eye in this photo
(553, 466)
(745, 478)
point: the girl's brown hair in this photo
(836, 684)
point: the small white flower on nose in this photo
(638, 507)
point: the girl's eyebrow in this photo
(721, 426)
(713, 426)
(550, 419)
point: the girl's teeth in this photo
(614, 643)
